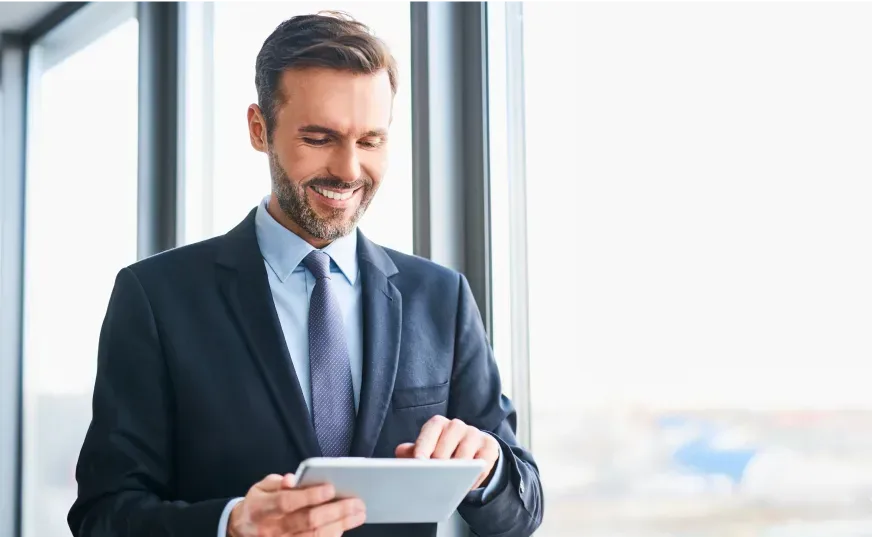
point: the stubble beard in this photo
(294, 202)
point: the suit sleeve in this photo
(125, 468)
(516, 509)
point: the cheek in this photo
(375, 164)
(301, 162)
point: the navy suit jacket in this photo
(196, 399)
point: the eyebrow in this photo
(319, 129)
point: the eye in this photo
(317, 142)
(372, 143)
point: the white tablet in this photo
(396, 490)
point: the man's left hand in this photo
(442, 438)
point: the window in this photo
(698, 266)
(80, 227)
(225, 177)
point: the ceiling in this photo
(18, 16)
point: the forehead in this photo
(341, 100)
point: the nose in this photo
(345, 163)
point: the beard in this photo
(294, 202)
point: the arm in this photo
(514, 505)
(125, 468)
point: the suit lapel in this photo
(245, 286)
(382, 324)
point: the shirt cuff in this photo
(496, 484)
(225, 516)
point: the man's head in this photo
(325, 88)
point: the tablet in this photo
(396, 490)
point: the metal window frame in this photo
(157, 181)
(160, 143)
(450, 170)
(13, 59)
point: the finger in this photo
(468, 447)
(405, 451)
(289, 501)
(336, 528)
(289, 481)
(452, 435)
(488, 454)
(480, 479)
(313, 518)
(269, 483)
(430, 433)
(490, 449)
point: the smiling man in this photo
(224, 364)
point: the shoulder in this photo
(422, 280)
(179, 266)
(405, 270)
(415, 266)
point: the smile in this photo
(334, 194)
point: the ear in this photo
(257, 129)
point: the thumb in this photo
(288, 481)
(406, 451)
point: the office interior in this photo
(661, 209)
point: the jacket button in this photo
(521, 487)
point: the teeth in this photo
(333, 195)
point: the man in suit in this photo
(224, 364)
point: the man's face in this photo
(329, 148)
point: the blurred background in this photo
(662, 209)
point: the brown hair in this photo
(329, 39)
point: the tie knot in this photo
(318, 264)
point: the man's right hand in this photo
(273, 508)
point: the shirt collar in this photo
(283, 250)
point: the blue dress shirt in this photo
(291, 285)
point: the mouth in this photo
(335, 198)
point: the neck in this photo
(276, 212)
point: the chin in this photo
(336, 228)
(334, 223)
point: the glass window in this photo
(80, 227)
(235, 177)
(700, 244)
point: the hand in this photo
(274, 508)
(442, 438)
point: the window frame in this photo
(11, 285)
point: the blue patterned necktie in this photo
(330, 370)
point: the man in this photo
(224, 364)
